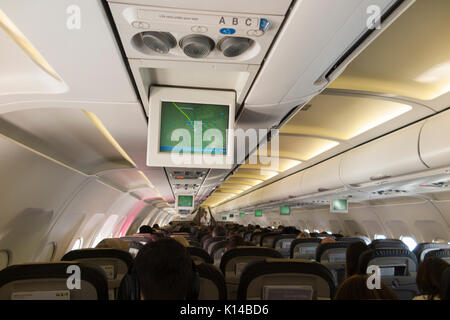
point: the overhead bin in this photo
(393, 155)
(322, 177)
(434, 143)
(315, 46)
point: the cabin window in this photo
(410, 242)
(379, 237)
(306, 230)
(78, 244)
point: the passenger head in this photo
(303, 235)
(429, 275)
(355, 288)
(327, 240)
(354, 251)
(164, 270)
(218, 231)
(156, 226)
(112, 243)
(145, 229)
(445, 285)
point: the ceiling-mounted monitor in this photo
(184, 202)
(191, 128)
(285, 210)
(241, 214)
(339, 205)
(258, 213)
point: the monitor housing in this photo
(181, 205)
(285, 210)
(339, 206)
(188, 109)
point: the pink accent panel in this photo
(134, 212)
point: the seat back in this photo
(333, 256)
(423, 248)
(217, 251)
(282, 243)
(398, 269)
(212, 283)
(49, 281)
(235, 260)
(286, 279)
(135, 246)
(212, 242)
(350, 239)
(387, 243)
(441, 253)
(256, 237)
(195, 243)
(268, 238)
(304, 248)
(199, 255)
(114, 262)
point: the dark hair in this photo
(164, 270)
(354, 251)
(145, 229)
(355, 288)
(218, 231)
(429, 274)
(155, 226)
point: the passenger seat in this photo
(48, 281)
(398, 268)
(304, 248)
(286, 279)
(114, 262)
(235, 260)
(212, 283)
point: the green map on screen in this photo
(242, 214)
(185, 201)
(196, 119)
(258, 213)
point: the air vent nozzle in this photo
(197, 46)
(160, 42)
(234, 46)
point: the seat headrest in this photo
(94, 253)
(288, 266)
(249, 252)
(283, 236)
(420, 249)
(441, 253)
(371, 254)
(199, 252)
(322, 248)
(57, 270)
(387, 243)
(351, 239)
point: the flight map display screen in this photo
(193, 128)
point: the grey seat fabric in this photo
(304, 248)
(423, 248)
(441, 253)
(282, 243)
(217, 251)
(398, 269)
(387, 243)
(49, 281)
(199, 255)
(235, 260)
(268, 238)
(116, 264)
(333, 256)
(212, 283)
(286, 279)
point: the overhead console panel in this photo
(188, 44)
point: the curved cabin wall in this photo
(46, 207)
(416, 148)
